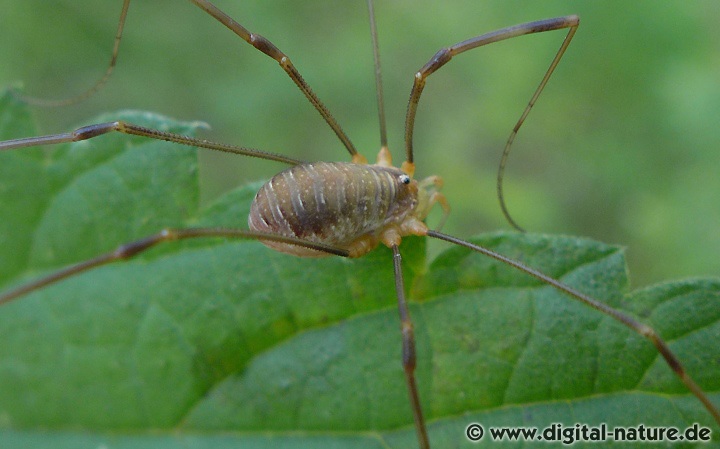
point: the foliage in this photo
(228, 344)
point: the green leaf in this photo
(214, 343)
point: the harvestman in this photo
(344, 209)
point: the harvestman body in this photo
(346, 205)
(346, 209)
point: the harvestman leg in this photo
(98, 84)
(271, 50)
(440, 58)
(409, 358)
(92, 131)
(642, 329)
(444, 56)
(132, 249)
(256, 40)
(408, 343)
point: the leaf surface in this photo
(214, 343)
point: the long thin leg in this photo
(642, 329)
(95, 87)
(513, 133)
(253, 39)
(378, 77)
(443, 56)
(91, 131)
(408, 350)
(271, 50)
(132, 249)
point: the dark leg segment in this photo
(271, 50)
(640, 328)
(132, 249)
(408, 350)
(255, 40)
(90, 131)
(443, 56)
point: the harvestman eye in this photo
(346, 209)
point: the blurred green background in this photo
(623, 146)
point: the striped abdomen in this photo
(336, 203)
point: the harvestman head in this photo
(343, 209)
